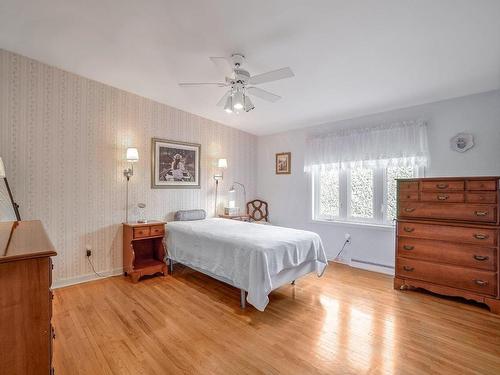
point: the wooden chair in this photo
(258, 211)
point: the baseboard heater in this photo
(372, 263)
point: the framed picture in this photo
(283, 163)
(175, 164)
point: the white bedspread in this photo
(247, 254)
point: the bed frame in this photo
(243, 292)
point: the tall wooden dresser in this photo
(26, 332)
(448, 236)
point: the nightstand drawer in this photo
(157, 230)
(141, 232)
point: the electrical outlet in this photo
(89, 253)
(347, 237)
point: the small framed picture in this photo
(175, 164)
(283, 163)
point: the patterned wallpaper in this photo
(63, 140)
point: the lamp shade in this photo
(132, 155)
(238, 100)
(222, 163)
(2, 169)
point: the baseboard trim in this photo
(86, 278)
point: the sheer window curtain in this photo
(399, 144)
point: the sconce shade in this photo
(2, 169)
(132, 155)
(222, 163)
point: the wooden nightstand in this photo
(143, 250)
(242, 217)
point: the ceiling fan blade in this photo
(224, 65)
(263, 94)
(274, 75)
(223, 100)
(196, 84)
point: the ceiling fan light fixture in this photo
(238, 101)
(248, 104)
(228, 107)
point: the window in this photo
(357, 194)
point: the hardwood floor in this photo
(348, 322)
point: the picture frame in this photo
(284, 163)
(174, 164)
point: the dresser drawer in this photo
(481, 197)
(407, 186)
(481, 185)
(447, 252)
(157, 230)
(452, 211)
(479, 236)
(479, 281)
(408, 196)
(442, 185)
(442, 197)
(141, 232)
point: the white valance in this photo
(403, 143)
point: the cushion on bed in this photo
(189, 215)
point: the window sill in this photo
(386, 227)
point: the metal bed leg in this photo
(242, 298)
(293, 282)
(171, 266)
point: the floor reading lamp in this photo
(221, 164)
(14, 204)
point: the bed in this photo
(253, 257)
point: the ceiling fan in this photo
(240, 83)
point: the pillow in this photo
(189, 215)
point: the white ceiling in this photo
(350, 58)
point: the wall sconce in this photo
(132, 157)
(14, 204)
(221, 164)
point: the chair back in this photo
(258, 210)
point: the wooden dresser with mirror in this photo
(26, 332)
(447, 237)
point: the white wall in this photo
(289, 196)
(63, 140)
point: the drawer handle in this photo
(409, 209)
(443, 197)
(481, 213)
(442, 186)
(408, 247)
(481, 282)
(481, 257)
(408, 268)
(408, 229)
(481, 236)
(408, 196)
